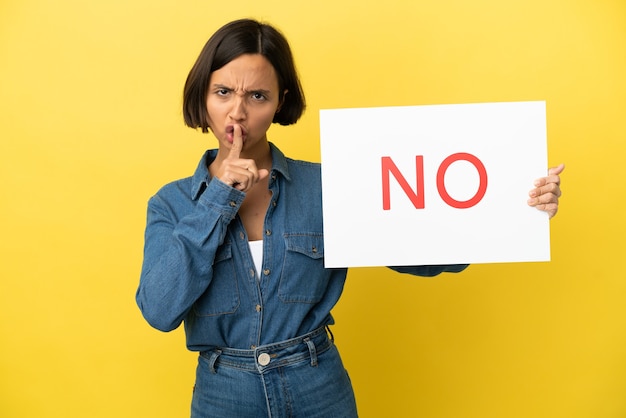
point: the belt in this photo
(265, 357)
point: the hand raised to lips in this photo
(230, 133)
(240, 173)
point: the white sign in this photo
(425, 185)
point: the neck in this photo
(261, 154)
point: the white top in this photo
(256, 248)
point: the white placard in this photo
(484, 156)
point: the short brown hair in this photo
(245, 36)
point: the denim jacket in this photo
(198, 268)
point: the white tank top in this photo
(256, 248)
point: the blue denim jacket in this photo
(198, 267)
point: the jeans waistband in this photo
(265, 357)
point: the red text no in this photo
(417, 196)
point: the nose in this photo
(238, 110)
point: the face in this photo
(244, 92)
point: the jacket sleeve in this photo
(430, 271)
(178, 253)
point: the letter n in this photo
(417, 197)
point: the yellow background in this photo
(91, 127)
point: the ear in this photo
(282, 100)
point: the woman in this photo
(236, 251)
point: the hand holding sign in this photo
(547, 192)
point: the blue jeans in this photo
(302, 377)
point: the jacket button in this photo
(258, 308)
(264, 359)
(268, 232)
(266, 272)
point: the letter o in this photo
(482, 187)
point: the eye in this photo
(221, 92)
(258, 96)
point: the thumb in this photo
(263, 173)
(556, 170)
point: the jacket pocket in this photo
(303, 277)
(222, 295)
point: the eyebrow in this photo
(222, 86)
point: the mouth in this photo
(230, 133)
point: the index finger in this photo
(237, 144)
